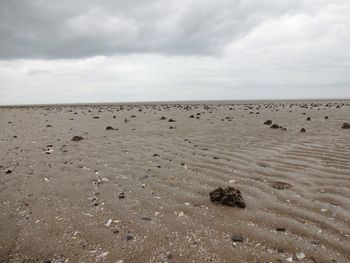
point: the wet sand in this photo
(139, 191)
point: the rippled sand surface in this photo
(62, 200)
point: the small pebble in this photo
(129, 237)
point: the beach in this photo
(131, 183)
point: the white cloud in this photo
(173, 50)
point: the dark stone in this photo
(227, 196)
(275, 126)
(8, 171)
(77, 138)
(326, 117)
(155, 155)
(121, 195)
(302, 130)
(169, 256)
(129, 237)
(345, 126)
(237, 239)
(108, 128)
(146, 218)
(280, 229)
(192, 116)
(96, 117)
(268, 122)
(280, 250)
(163, 118)
(308, 119)
(171, 120)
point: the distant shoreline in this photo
(192, 102)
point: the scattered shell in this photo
(300, 255)
(109, 222)
(102, 255)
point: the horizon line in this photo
(157, 102)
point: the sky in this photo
(125, 51)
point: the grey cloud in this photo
(74, 29)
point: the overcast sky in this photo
(116, 50)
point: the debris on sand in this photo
(77, 138)
(129, 237)
(227, 196)
(102, 255)
(268, 122)
(300, 255)
(121, 196)
(109, 222)
(345, 126)
(280, 185)
(237, 239)
(276, 126)
(8, 171)
(109, 128)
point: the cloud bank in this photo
(85, 51)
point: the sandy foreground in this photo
(139, 192)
